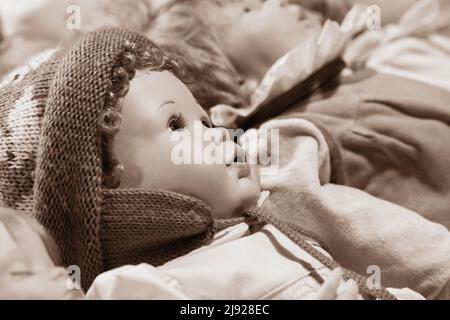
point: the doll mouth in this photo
(238, 163)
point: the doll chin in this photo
(251, 192)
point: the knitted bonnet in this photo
(57, 114)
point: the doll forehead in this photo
(164, 80)
(160, 87)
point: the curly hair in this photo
(182, 30)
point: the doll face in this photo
(160, 116)
(257, 32)
(26, 269)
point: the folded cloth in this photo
(417, 47)
(361, 231)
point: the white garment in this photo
(417, 47)
(421, 59)
(236, 265)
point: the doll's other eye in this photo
(176, 123)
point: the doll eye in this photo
(247, 9)
(176, 123)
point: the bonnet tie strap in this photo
(289, 230)
(299, 92)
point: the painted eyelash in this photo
(181, 122)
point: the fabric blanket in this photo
(361, 232)
(417, 47)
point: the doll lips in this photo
(242, 169)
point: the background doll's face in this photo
(26, 269)
(257, 33)
(159, 106)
